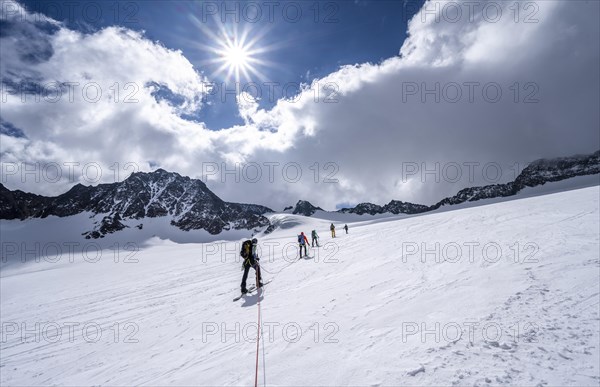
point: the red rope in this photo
(258, 327)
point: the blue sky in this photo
(300, 46)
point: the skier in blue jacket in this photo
(302, 242)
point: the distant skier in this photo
(315, 238)
(332, 228)
(302, 242)
(346, 228)
(251, 259)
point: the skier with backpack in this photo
(251, 259)
(346, 228)
(332, 228)
(315, 238)
(302, 242)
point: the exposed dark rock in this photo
(305, 208)
(189, 203)
(537, 173)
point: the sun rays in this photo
(236, 58)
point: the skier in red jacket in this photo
(302, 242)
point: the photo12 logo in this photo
(51, 332)
(88, 12)
(491, 332)
(271, 91)
(269, 252)
(453, 172)
(290, 332)
(470, 252)
(526, 92)
(53, 172)
(69, 252)
(269, 171)
(266, 11)
(526, 12)
(70, 92)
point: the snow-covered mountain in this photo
(188, 203)
(501, 294)
(537, 173)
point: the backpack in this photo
(300, 239)
(246, 247)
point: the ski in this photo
(264, 283)
(267, 282)
(250, 289)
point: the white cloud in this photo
(359, 117)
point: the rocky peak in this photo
(304, 207)
(189, 203)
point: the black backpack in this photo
(246, 248)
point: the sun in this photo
(234, 55)
(236, 59)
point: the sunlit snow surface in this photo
(503, 293)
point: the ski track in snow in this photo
(354, 300)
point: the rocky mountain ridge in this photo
(192, 206)
(189, 203)
(537, 173)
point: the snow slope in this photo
(501, 294)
